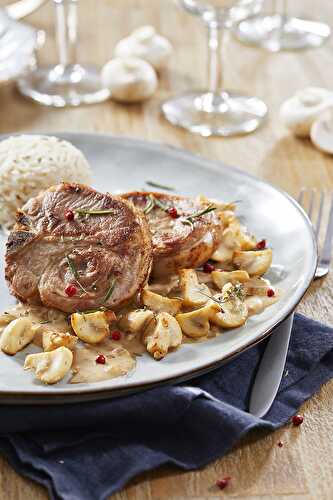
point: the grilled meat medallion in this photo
(74, 248)
(178, 243)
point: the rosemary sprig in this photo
(74, 272)
(188, 222)
(84, 211)
(153, 202)
(149, 205)
(110, 291)
(190, 219)
(97, 309)
(161, 205)
(159, 186)
(219, 302)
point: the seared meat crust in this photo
(177, 245)
(44, 247)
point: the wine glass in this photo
(216, 111)
(280, 31)
(68, 83)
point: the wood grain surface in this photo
(303, 468)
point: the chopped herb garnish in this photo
(83, 211)
(74, 272)
(110, 291)
(236, 292)
(160, 186)
(44, 322)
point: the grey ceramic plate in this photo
(121, 164)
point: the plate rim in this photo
(63, 396)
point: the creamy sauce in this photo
(118, 362)
(120, 356)
(258, 303)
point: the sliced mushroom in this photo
(257, 286)
(52, 366)
(223, 254)
(136, 321)
(90, 327)
(158, 303)
(220, 278)
(6, 318)
(234, 237)
(254, 304)
(220, 206)
(256, 263)
(53, 340)
(162, 333)
(233, 311)
(193, 293)
(18, 334)
(195, 324)
(227, 216)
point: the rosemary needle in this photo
(83, 211)
(110, 291)
(160, 186)
(190, 219)
(74, 272)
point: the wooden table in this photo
(303, 468)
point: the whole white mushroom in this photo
(322, 134)
(129, 79)
(300, 111)
(146, 44)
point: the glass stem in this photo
(66, 26)
(284, 10)
(274, 7)
(215, 73)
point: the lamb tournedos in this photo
(185, 231)
(74, 248)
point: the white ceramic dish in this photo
(121, 164)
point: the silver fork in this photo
(325, 256)
(272, 364)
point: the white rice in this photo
(31, 163)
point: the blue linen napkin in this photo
(89, 451)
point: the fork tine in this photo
(312, 197)
(320, 214)
(301, 196)
(326, 255)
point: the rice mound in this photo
(32, 163)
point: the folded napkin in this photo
(89, 451)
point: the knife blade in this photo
(271, 368)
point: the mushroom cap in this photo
(300, 111)
(129, 79)
(322, 135)
(146, 44)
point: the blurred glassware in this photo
(21, 8)
(67, 83)
(18, 42)
(215, 111)
(280, 31)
